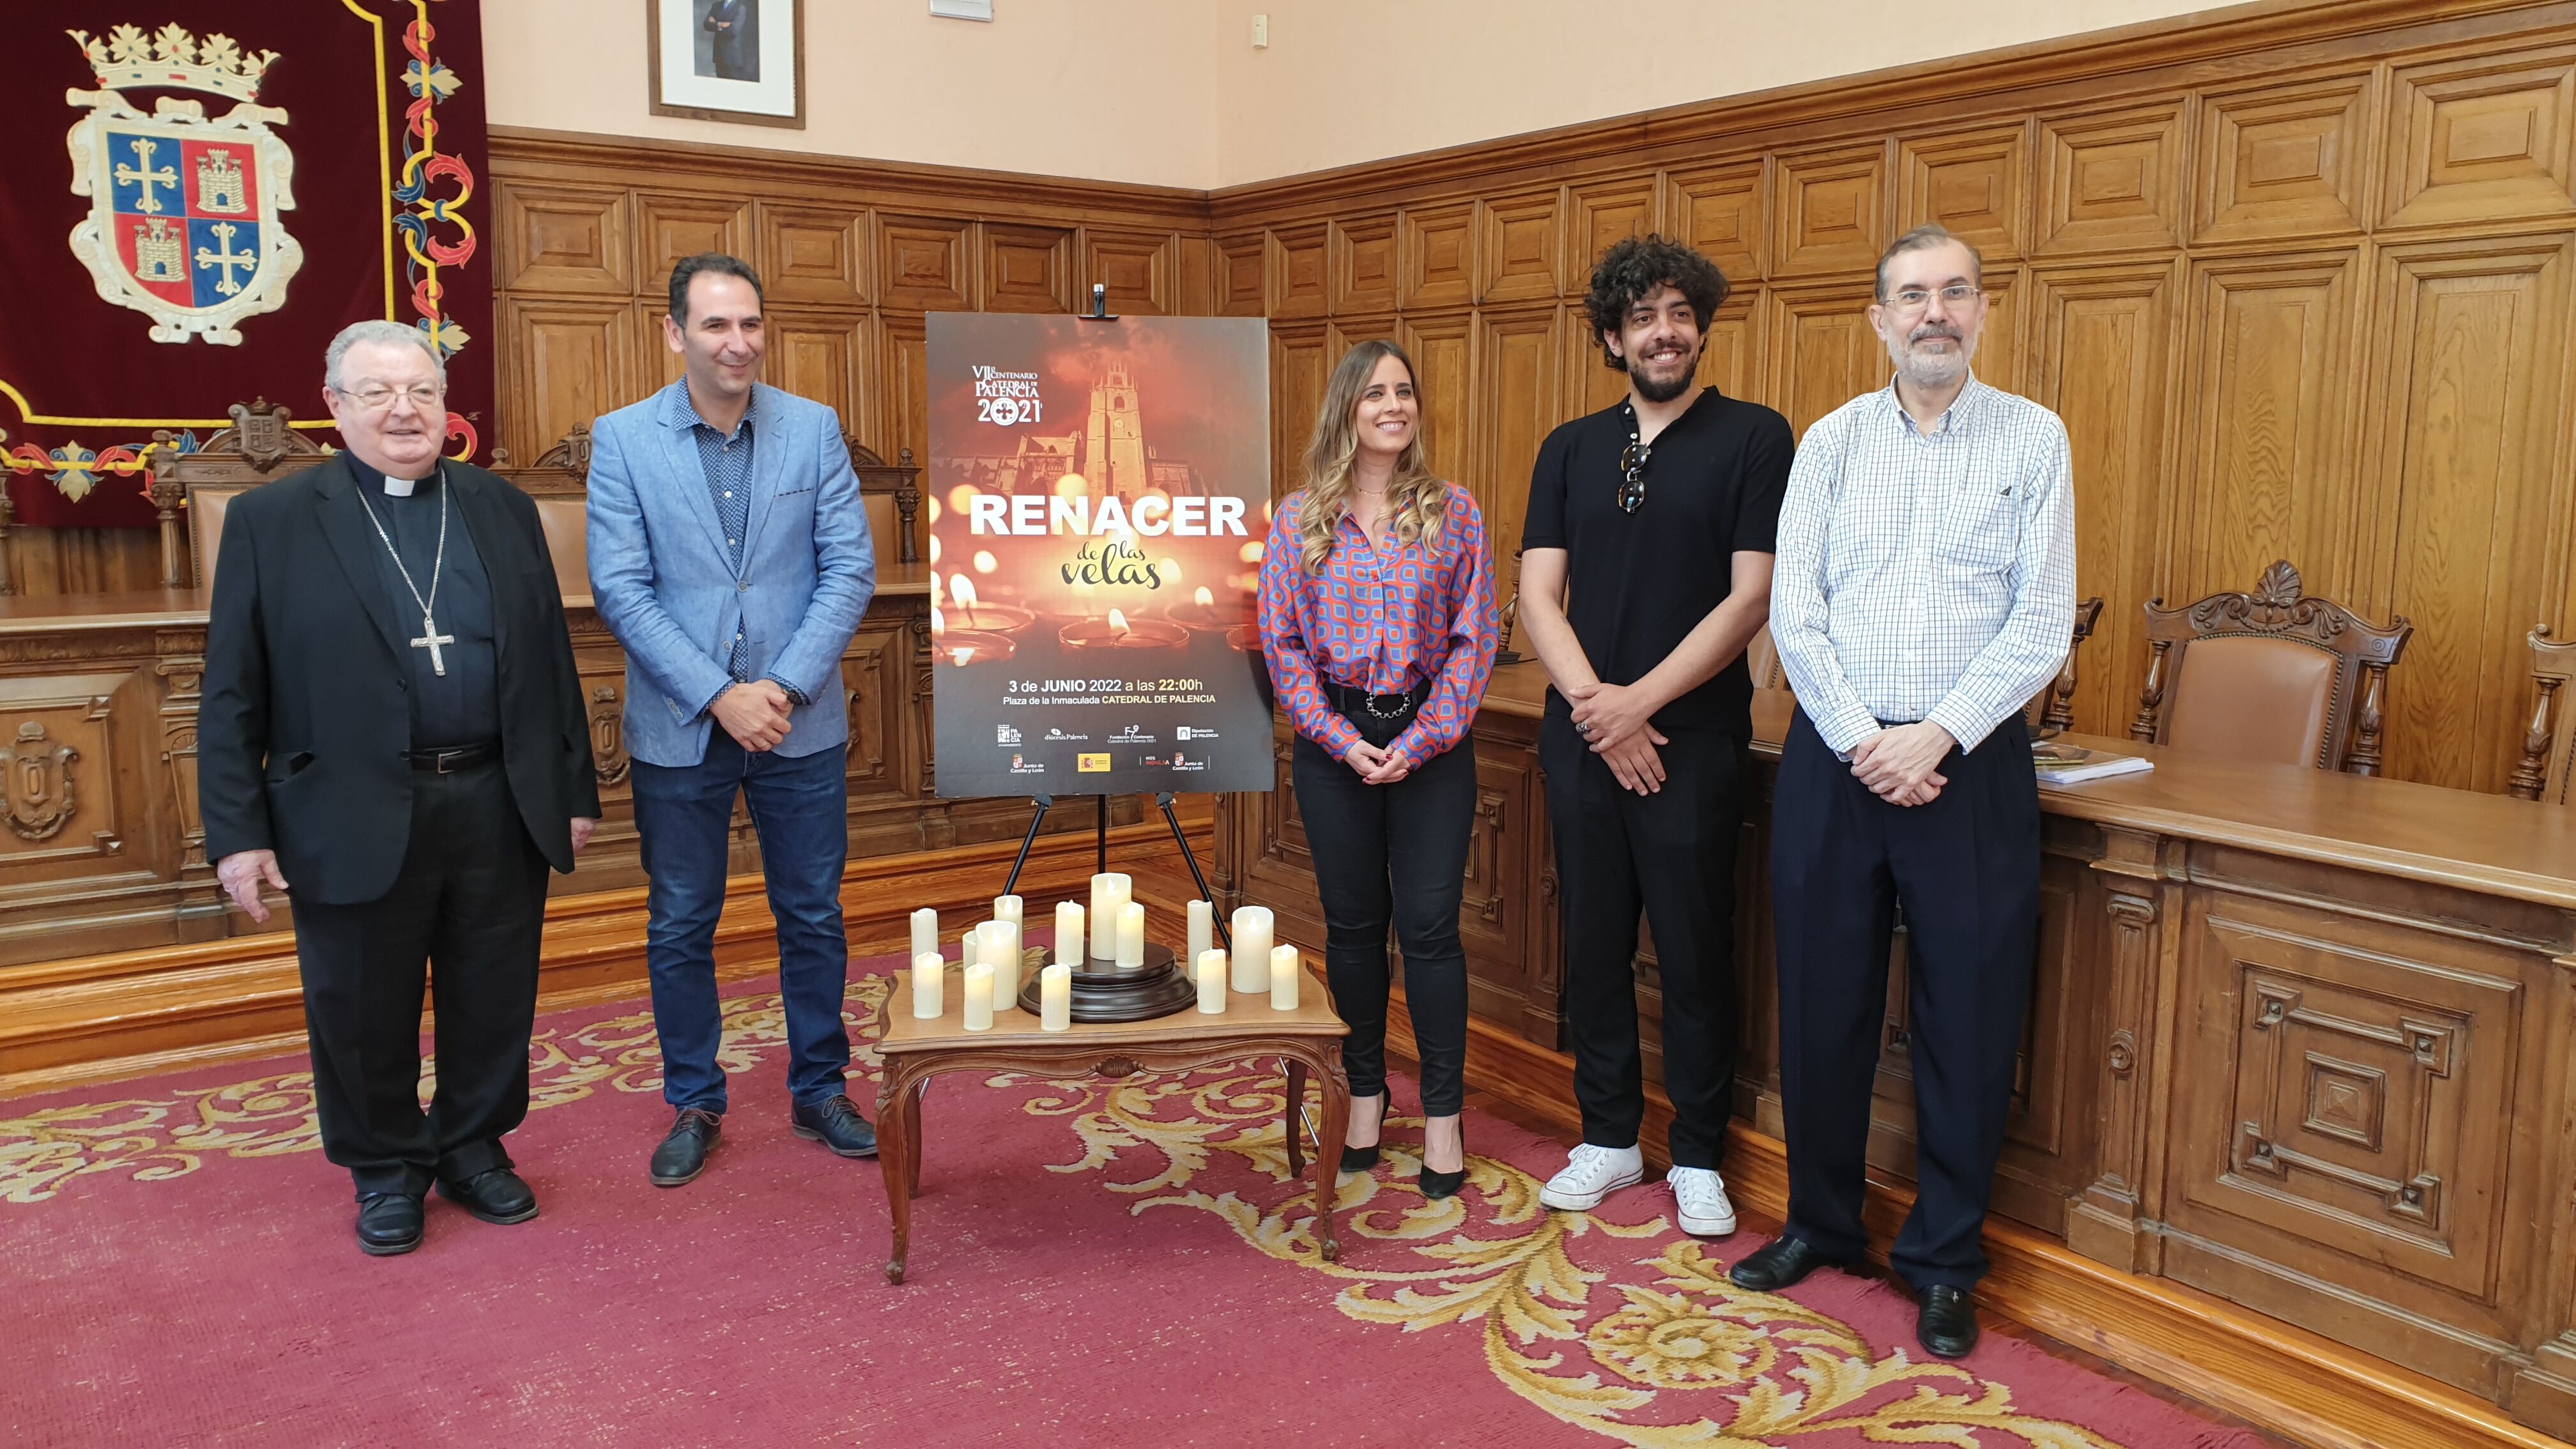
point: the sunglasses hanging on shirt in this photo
(1632, 468)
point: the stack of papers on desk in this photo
(2062, 764)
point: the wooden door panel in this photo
(1720, 210)
(561, 363)
(1443, 350)
(1523, 245)
(1027, 269)
(1140, 268)
(1517, 362)
(1242, 275)
(1363, 257)
(1976, 183)
(1299, 367)
(1437, 256)
(2482, 139)
(1833, 209)
(2284, 160)
(1297, 272)
(669, 228)
(812, 253)
(564, 238)
(1826, 353)
(925, 263)
(2112, 180)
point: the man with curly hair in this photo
(1646, 570)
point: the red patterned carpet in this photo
(1121, 1265)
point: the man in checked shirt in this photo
(1925, 590)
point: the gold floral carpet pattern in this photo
(1604, 1323)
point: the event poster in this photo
(1099, 494)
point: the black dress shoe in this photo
(837, 1125)
(1437, 1185)
(1781, 1262)
(1947, 1326)
(497, 1196)
(1359, 1159)
(388, 1223)
(683, 1154)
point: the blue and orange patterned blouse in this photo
(1381, 620)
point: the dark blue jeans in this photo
(801, 809)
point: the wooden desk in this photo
(2300, 1039)
(915, 1050)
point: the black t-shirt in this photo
(1638, 583)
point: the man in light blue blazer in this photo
(729, 553)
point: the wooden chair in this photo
(2548, 764)
(258, 448)
(2273, 675)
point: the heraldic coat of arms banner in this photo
(183, 223)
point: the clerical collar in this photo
(374, 480)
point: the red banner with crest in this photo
(222, 186)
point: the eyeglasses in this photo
(1915, 299)
(376, 397)
(1632, 473)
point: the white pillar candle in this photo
(1109, 891)
(979, 997)
(1252, 948)
(1212, 982)
(1069, 945)
(1055, 997)
(1285, 969)
(1202, 930)
(1131, 934)
(1007, 908)
(929, 994)
(925, 932)
(1004, 952)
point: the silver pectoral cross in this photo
(430, 639)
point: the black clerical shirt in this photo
(1638, 583)
(462, 706)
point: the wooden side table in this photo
(915, 1050)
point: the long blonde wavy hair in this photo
(1417, 501)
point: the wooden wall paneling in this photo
(925, 264)
(876, 684)
(561, 362)
(1600, 215)
(812, 253)
(1517, 377)
(55, 561)
(1833, 208)
(1732, 360)
(1299, 364)
(1721, 211)
(1999, 343)
(903, 390)
(1345, 333)
(2284, 160)
(669, 227)
(2482, 138)
(1443, 350)
(1590, 383)
(1362, 257)
(1297, 266)
(1824, 353)
(824, 356)
(2466, 460)
(1521, 251)
(1141, 269)
(1436, 256)
(2112, 180)
(2269, 399)
(655, 364)
(1196, 257)
(564, 239)
(1025, 269)
(2102, 356)
(1977, 183)
(1242, 274)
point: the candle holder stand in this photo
(1103, 990)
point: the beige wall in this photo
(1120, 90)
(1171, 92)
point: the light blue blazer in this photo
(664, 581)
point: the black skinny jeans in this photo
(1393, 855)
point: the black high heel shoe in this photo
(1438, 1185)
(1363, 1159)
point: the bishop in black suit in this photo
(393, 735)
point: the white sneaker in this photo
(1591, 1174)
(1700, 1194)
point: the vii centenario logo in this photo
(1007, 399)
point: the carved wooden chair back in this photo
(192, 489)
(2054, 707)
(2273, 675)
(2547, 770)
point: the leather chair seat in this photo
(2264, 700)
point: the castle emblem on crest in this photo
(183, 219)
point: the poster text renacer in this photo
(1098, 498)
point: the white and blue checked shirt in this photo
(1925, 575)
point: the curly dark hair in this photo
(1631, 271)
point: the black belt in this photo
(1355, 702)
(449, 761)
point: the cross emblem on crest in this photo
(143, 176)
(227, 259)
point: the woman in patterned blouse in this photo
(1378, 623)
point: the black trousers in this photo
(466, 913)
(1673, 855)
(1966, 870)
(1393, 854)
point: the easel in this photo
(1163, 798)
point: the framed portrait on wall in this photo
(727, 60)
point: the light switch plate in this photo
(962, 9)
